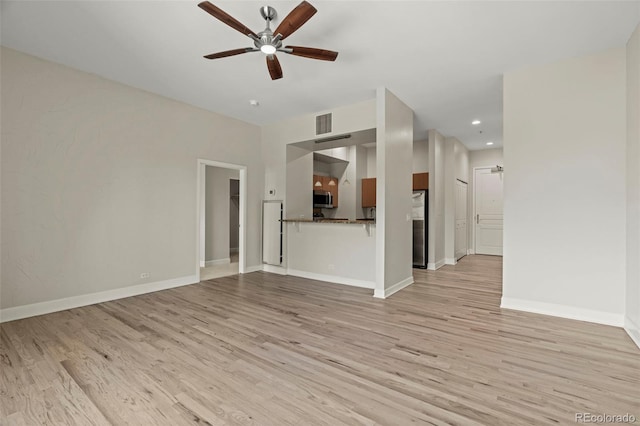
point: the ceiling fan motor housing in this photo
(266, 37)
(268, 13)
(268, 42)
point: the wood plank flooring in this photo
(265, 349)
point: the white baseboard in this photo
(249, 269)
(215, 262)
(202, 263)
(386, 292)
(35, 309)
(633, 330)
(563, 311)
(471, 251)
(274, 269)
(332, 279)
(434, 266)
(450, 261)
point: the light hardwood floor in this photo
(271, 350)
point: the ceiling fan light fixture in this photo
(270, 41)
(268, 49)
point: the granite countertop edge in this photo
(354, 221)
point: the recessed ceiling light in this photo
(489, 143)
(254, 103)
(476, 122)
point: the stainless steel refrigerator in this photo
(420, 213)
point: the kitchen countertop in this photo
(329, 220)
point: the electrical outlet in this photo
(144, 275)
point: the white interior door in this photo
(489, 216)
(461, 244)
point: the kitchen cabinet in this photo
(328, 184)
(420, 181)
(369, 192)
(318, 183)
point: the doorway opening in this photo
(221, 216)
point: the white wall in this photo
(299, 187)
(484, 158)
(99, 182)
(217, 212)
(564, 188)
(481, 158)
(346, 192)
(436, 200)
(456, 166)
(420, 156)
(371, 162)
(632, 311)
(276, 137)
(342, 253)
(394, 139)
(360, 172)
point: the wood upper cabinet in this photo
(317, 183)
(328, 184)
(369, 192)
(420, 181)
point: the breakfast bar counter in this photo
(332, 250)
(330, 220)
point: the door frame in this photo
(200, 211)
(474, 212)
(466, 251)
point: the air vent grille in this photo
(323, 124)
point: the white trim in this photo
(215, 262)
(201, 214)
(274, 269)
(434, 266)
(449, 261)
(563, 311)
(383, 293)
(332, 279)
(471, 251)
(633, 330)
(250, 269)
(41, 308)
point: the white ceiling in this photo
(444, 59)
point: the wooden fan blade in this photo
(295, 19)
(310, 52)
(223, 16)
(230, 53)
(275, 70)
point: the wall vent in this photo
(323, 124)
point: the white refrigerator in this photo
(272, 232)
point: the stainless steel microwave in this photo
(322, 200)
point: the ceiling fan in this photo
(267, 41)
